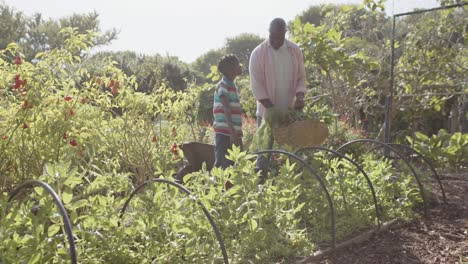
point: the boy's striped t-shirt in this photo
(227, 88)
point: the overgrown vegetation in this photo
(95, 127)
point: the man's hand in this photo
(299, 104)
(266, 103)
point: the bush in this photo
(443, 149)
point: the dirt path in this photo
(440, 238)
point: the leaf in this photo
(39, 190)
(346, 8)
(12, 45)
(79, 204)
(72, 181)
(114, 222)
(309, 28)
(421, 136)
(253, 225)
(52, 230)
(185, 230)
(409, 139)
(67, 196)
(35, 258)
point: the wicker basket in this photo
(301, 134)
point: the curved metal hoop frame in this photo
(428, 162)
(322, 184)
(384, 145)
(369, 182)
(186, 191)
(58, 202)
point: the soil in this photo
(441, 237)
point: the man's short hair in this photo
(227, 61)
(278, 24)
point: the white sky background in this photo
(186, 28)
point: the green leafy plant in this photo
(444, 149)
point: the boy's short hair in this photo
(226, 62)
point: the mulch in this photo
(441, 237)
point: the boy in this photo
(227, 111)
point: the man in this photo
(277, 75)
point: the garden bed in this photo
(440, 238)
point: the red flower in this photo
(111, 83)
(4, 137)
(276, 156)
(17, 60)
(67, 98)
(26, 105)
(18, 82)
(174, 149)
(25, 125)
(73, 143)
(65, 136)
(114, 90)
(71, 112)
(154, 139)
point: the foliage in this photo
(430, 69)
(204, 62)
(443, 149)
(94, 127)
(341, 132)
(335, 69)
(35, 34)
(55, 110)
(16, 22)
(242, 46)
(285, 217)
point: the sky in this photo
(186, 28)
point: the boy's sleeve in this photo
(221, 90)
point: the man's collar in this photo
(286, 42)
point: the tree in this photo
(312, 15)
(35, 34)
(12, 26)
(150, 71)
(43, 35)
(430, 70)
(242, 46)
(146, 69)
(205, 61)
